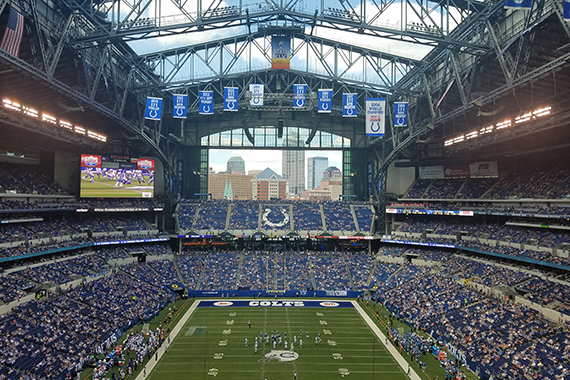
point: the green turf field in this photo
(211, 346)
(106, 188)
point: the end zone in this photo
(276, 303)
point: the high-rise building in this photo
(293, 166)
(220, 184)
(315, 169)
(268, 185)
(235, 165)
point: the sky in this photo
(262, 158)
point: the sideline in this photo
(391, 349)
(182, 322)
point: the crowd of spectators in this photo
(364, 217)
(253, 215)
(330, 272)
(486, 274)
(244, 215)
(212, 215)
(360, 266)
(51, 338)
(307, 216)
(418, 189)
(27, 179)
(190, 267)
(13, 287)
(392, 251)
(438, 296)
(338, 216)
(63, 271)
(186, 214)
(220, 271)
(443, 189)
(418, 227)
(297, 272)
(254, 273)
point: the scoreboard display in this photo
(116, 177)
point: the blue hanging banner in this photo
(349, 105)
(206, 106)
(299, 95)
(231, 99)
(400, 114)
(566, 10)
(518, 4)
(153, 109)
(325, 101)
(179, 106)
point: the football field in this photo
(211, 344)
(106, 188)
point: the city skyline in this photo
(267, 158)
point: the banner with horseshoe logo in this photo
(206, 106)
(179, 106)
(153, 110)
(231, 95)
(256, 95)
(375, 116)
(299, 95)
(349, 105)
(325, 100)
(400, 114)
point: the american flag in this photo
(13, 33)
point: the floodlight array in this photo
(521, 119)
(49, 119)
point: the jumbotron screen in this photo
(116, 177)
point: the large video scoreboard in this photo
(116, 177)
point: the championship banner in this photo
(180, 106)
(153, 109)
(256, 94)
(325, 101)
(566, 10)
(231, 99)
(206, 106)
(349, 105)
(280, 52)
(375, 114)
(299, 95)
(400, 114)
(518, 4)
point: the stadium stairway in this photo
(178, 272)
(228, 215)
(355, 224)
(323, 219)
(312, 271)
(343, 257)
(427, 188)
(460, 188)
(371, 272)
(275, 272)
(291, 218)
(196, 214)
(240, 265)
(259, 214)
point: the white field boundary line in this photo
(391, 349)
(173, 334)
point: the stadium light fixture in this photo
(528, 116)
(30, 112)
